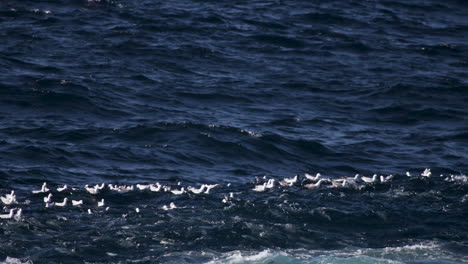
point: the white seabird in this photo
(62, 204)
(76, 203)
(426, 173)
(9, 215)
(313, 178)
(370, 180)
(143, 187)
(313, 186)
(43, 189)
(270, 184)
(260, 188)
(384, 179)
(178, 192)
(9, 198)
(197, 191)
(288, 182)
(48, 198)
(155, 187)
(92, 190)
(19, 214)
(61, 189)
(209, 187)
(100, 203)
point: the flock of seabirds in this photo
(11, 211)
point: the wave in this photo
(425, 252)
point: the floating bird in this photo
(156, 187)
(338, 183)
(370, 180)
(62, 204)
(137, 210)
(76, 203)
(9, 198)
(89, 211)
(61, 189)
(100, 203)
(209, 187)
(288, 182)
(270, 184)
(260, 188)
(384, 179)
(43, 189)
(313, 186)
(18, 215)
(313, 178)
(426, 173)
(178, 192)
(92, 190)
(143, 187)
(408, 174)
(8, 216)
(48, 198)
(197, 191)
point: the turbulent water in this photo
(234, 93)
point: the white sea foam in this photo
(429, 252)
(10, 260)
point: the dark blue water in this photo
(187, 93)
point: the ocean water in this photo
(233, 94)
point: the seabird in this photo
(76, 203)
(370, 180)
(48, 198)
(384, 179)
(288, 182)
(197, 191)
(43, 189)
(155, 187)
(8, 216)
(426, 173)
(19, 214)
(61, 189)
(178, 192)
(270, 184)
(209, 187)
(313, 186)
(260, 188)
(92, 190)
(313, 178)
(62, 204)
(143, 186)
(9, 198)
(100, 203)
